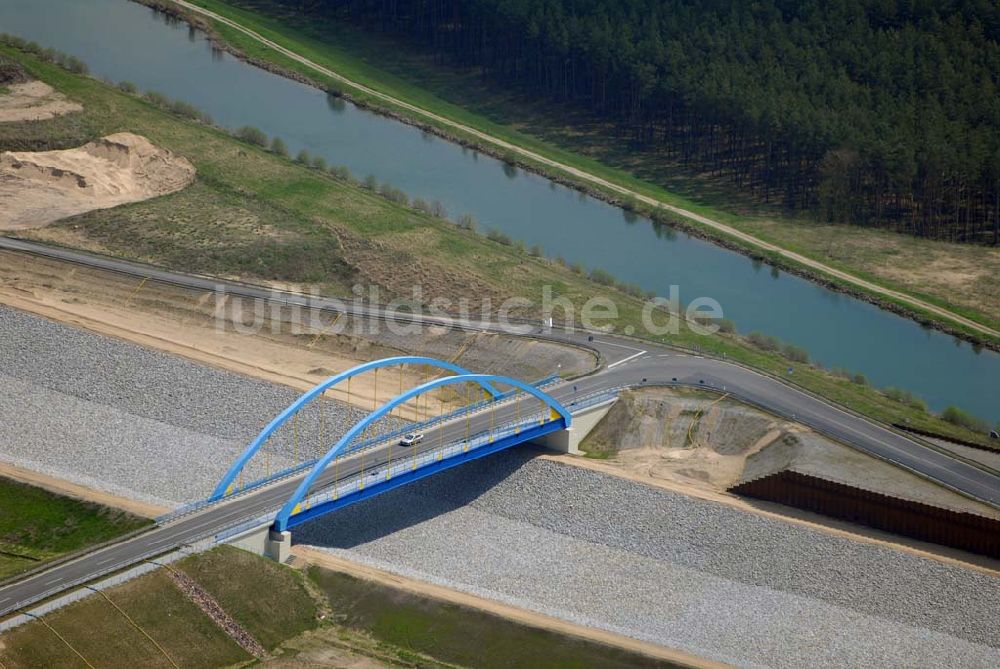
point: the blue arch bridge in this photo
(464, 416)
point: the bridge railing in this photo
(457, 413)
(594, 398)
(407, 463)
(245, 526)
(461, 412)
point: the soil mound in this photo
(41, 187)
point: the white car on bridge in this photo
(411, 439)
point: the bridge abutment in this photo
(569, 440)
(264, 540)
(278, 546)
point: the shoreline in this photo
(675, 220)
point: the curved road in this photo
(626, 364)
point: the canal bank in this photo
(928, 311)
(837, 331)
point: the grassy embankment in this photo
(37, 526)
(268, 600)
(313, 618)
(460, 635)
(962, 279)
(261, 216)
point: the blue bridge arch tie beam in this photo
(292, 506)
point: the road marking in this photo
(611, 343)
(634, 355)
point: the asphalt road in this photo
(626, 363)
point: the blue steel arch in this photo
(281, 520)
(227, 480)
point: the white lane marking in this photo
(611, 343)
(634, 355)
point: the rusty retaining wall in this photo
(953, 440)
(957, 529)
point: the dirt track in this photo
(34, 101)
(722, 228)
(187, 324)
(64, 487)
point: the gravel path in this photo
(136, 422)
(671, 569)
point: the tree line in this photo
(881, 113)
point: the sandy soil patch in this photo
(187, 323)
(37, 188)
(180, 323)
(705, 442)
(34, 101)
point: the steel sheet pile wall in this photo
(966, 531)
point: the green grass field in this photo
(270, 601)
(37, 526)
(95, 629)
(460, 635)
(292, 614)
(259, 216)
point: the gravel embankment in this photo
(671, 569)
(583, 546)
(133, 421)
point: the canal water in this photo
(121, 40)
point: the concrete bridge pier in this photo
(568, 440)
(263, 540)
(278, 546)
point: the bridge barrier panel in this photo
(302, 491)
(104, 584)
(225, 485)
(387, 476)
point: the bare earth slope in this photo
(712, 443)
(39, 188)
(34, 101)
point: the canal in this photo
(121, 40)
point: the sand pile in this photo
(700, 440)
(33, 101)
(680, 436)
(39, 188)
